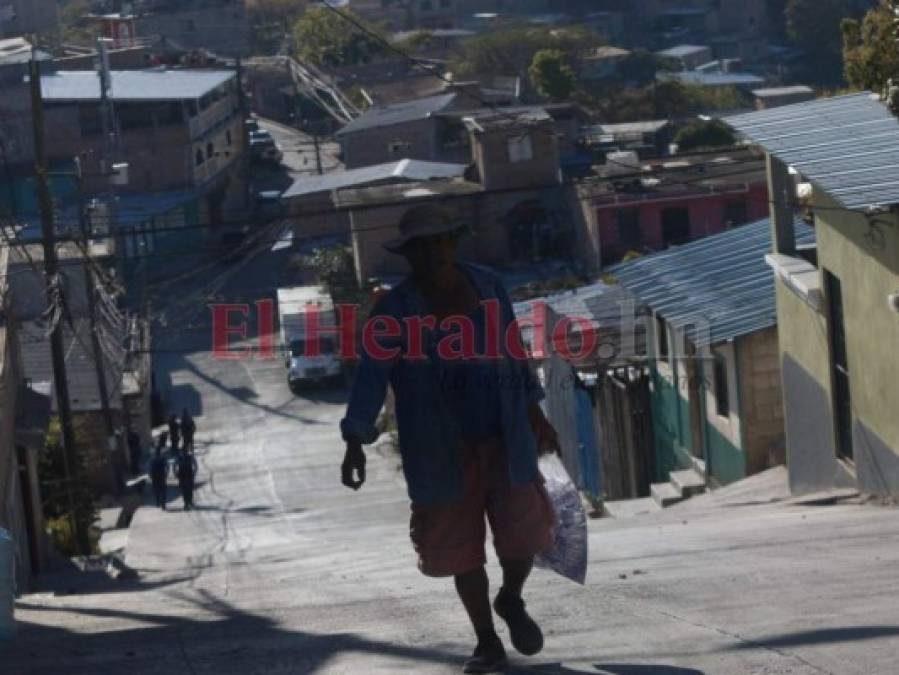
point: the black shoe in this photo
(489, 657)
(526, 635)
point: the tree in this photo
(815, 27)
(271, 21)
(511, 51)
(870, 52)
(552, 77)
(325, 39)
(75, 24)
(54, 476)
(702, 134)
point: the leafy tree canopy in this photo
(870, 52)
(551, 75)
(325, 39)
(702, 134)
(511, 51)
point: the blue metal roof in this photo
(720, 282)
(848, 146)
(133, 85)
(388, 115)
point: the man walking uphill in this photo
(469, 427)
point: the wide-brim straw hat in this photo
(425, 220)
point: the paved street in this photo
(299, 149)
(282, 570)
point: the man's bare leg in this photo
(526, 635)
(515, 573)
(473, 588)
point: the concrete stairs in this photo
(681, 485)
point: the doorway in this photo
(839, 366)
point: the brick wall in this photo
(762, 399)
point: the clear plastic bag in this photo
(568, 556)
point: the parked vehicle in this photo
(307, 359)
(260, 136)
(263, 146)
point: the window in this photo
(722, 399)
(446, 4)
(228, 137)
(189, 25)
(520, 148)
(675, 226)
(735, 213)
(210, 150)
(661, 338)
(199, 156)
(629, 235)
(426, 5)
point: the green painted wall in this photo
(671, 426)
(726, 462)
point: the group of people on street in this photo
(184, 466)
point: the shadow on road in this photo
(223, 640)
(71, 581)
(821, 636)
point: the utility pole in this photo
(318, 155)
(99, 364)
(244, 136)
(110, 145)
(57, 348)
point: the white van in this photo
(294, 306)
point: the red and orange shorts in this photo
(449, 538)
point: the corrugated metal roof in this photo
(784, 91)
(721, 282)
(388, 115)
(683, 50)
(133, 85)
(711, 79)
(608, 308)
(848, 145)
(18, 50)
(403, 170)
(644, 127)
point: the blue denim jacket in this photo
(429, 433)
